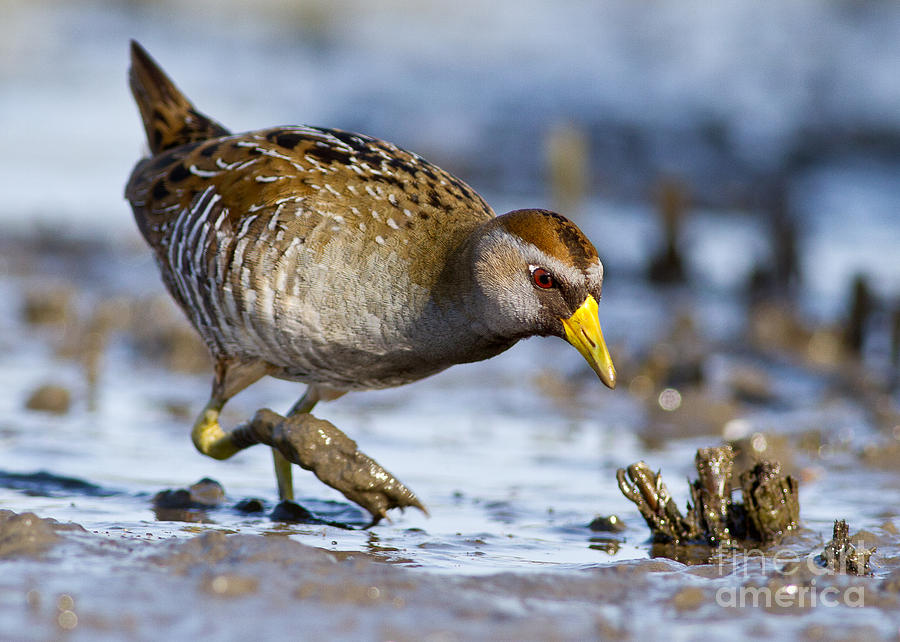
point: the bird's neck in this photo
(458, 309)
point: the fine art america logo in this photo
(794, 584)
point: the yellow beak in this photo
(583, 332)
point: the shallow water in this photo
(513, 457)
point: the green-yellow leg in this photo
(283, 470)
(208, 436)
(211, 440)
(303, 440)
(283, 476)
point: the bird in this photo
(341, 261)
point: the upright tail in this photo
(169, 118)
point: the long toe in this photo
(319, 446)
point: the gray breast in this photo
(295, 287)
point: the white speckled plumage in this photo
(342, 261)
(335, 258)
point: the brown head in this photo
(536, 273)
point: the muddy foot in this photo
(317, 445)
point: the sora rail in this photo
(343, 262)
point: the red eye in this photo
(542, 278)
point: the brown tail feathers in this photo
(169, 118)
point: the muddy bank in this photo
(740, 307)
(512, 468)
(27, 535)
(232, 586)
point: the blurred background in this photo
(754, 119)
(737, 165)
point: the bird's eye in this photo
(542, 278)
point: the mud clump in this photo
(221, 554)
(50, 398)
(206, 493)
(27, 534)
(188, 504)
(841, 556)
(607, 524)
(289, 511)
(250, 505)
(771, 503)
(770, 506)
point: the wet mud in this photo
(26, 534)
(770, 508)
(231, 585)
(750, 299)
(842, 556)
(107, 535)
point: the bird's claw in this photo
(319, 446)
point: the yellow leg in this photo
(283, 471)
(369, 485)
(284, 476)
(208, 436)
(211, 440)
